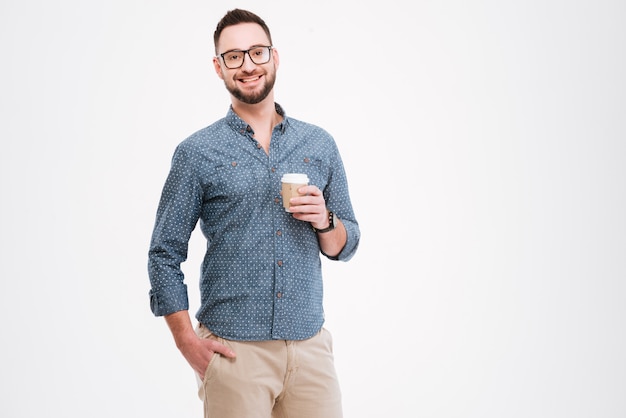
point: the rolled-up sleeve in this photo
(337, 198)
(176, 218)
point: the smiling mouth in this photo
(250, 79)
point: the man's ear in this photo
(276, 58)
(218, 67)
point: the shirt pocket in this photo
(315, 168)
(236, 182)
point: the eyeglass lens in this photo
(258, 55)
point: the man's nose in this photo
(247, 65)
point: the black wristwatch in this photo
(331, 224)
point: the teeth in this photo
(249, 79)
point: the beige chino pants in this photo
(272, 379)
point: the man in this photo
(259, 349)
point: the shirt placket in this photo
(280, 248)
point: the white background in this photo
(484, 142)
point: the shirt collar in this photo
(239, 125)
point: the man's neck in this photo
(262, 117)
(259, 114)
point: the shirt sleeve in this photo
(177, 216)
(337, 198)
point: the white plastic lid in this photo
(296, 178)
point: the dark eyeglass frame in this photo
(247, 51)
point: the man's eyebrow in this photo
(241, 50)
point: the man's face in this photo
(251, 83)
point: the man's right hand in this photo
(197, 351)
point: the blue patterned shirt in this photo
(261, 277)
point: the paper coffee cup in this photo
(291, 183)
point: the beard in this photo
(253, 97)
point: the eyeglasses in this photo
(258, 55)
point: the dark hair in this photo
(235, 17)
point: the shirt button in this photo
(279, 295)
(234, 163)
(307, 159)
(277, 200)
(273, 169)
(279, 232)
(280, 263)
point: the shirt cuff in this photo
(169, 300)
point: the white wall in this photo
(490, 279)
